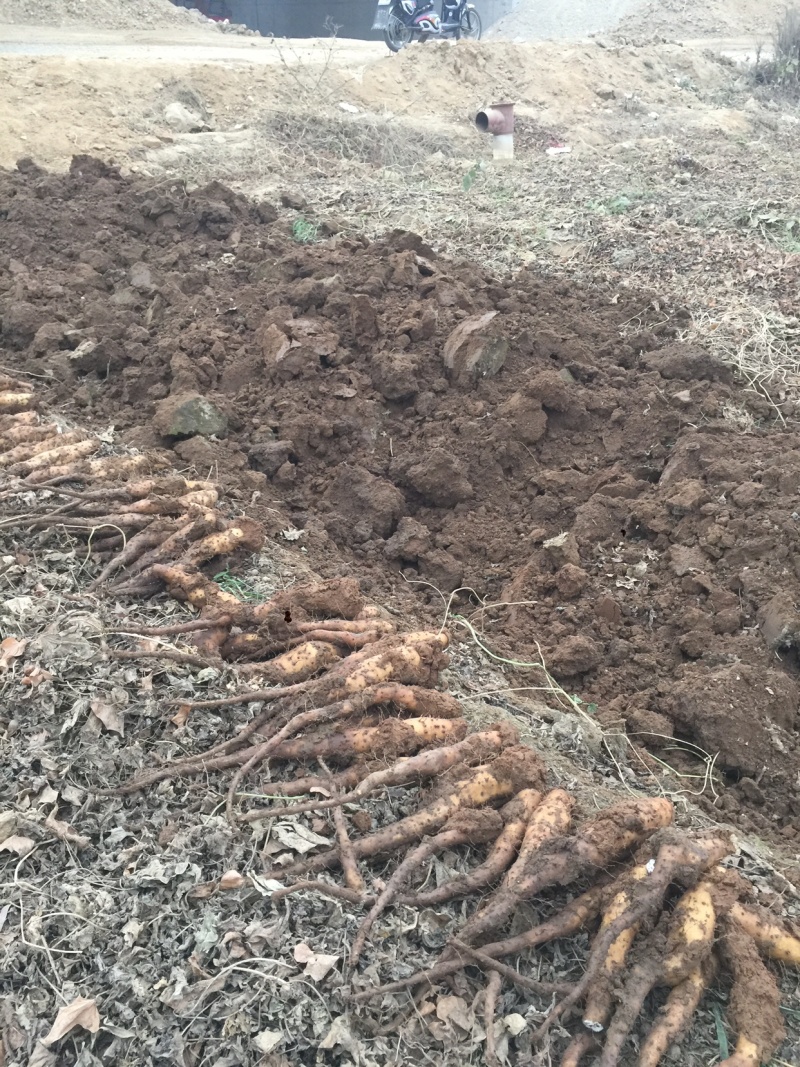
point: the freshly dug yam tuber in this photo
(413, 768)
(29, 449)
(771, 937)
(754, 1011)
(245, 536)
(299, 664)
(550, 820)
(11, 403)
(517, 768)
(334, 598)
(46, 461)
(391, 737)
(19, 433)
(689, 940)
(675, 1017)
(516, 816)
(463, 828)
(600, 997)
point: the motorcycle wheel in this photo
(471, 26)
(397, 35)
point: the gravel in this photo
(544, 19)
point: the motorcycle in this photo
(403, 21)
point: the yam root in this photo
(754, 1011)
(675, 1017)
(391, 737)
(600, 998)
(771, 937)
(516, 816)
(574, 917)
(464, 828)
(517, 768)
(667, 959)
(549, 821)
(413, 768)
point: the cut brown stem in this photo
(352, 875)
(171, 654)
(464, 828)
(493, 984)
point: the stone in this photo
(561, 550)
(141, 278)
(187, 414)
(779, 620)
(606, 91)
(687, 496)
(475, 349)
(183, 120)
(394, 376)
(267, 212)
(439, 479)
(48, 338)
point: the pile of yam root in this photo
(336, 688)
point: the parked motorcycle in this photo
(403, 21)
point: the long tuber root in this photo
(676, 1015)
(464, 828)
(411, 769)
(755, 1002)
(517, 768)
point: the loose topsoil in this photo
(633, 509)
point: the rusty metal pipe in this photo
(498, 120)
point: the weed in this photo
(469, 178)
(229, 583)
(783, 69)
(304, 231)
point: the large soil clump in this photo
(538, 442)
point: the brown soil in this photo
(598, 483)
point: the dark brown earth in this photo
(621, 484)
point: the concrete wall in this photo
(308, 18)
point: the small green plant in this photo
(229, 583)
(469, 178)
(304, 231)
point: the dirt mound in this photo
(534, 20)
(676, 19)
(416, 415)
(105, 14)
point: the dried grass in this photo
(763, 348)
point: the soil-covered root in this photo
(557, 858)
(16, 399)
(772, 937)
(754, 1011)
(675, 1017)
(388, 739)
(516, 816)
(37, 440)
(429, 764)
(464, 828)
(515, 769)
(43, 463)
(677, 948)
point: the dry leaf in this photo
(267, 1040)
(109, 716)
(341, 1034)
(81, 1012)
(42, 1056)
(203, 891)
(10, 649)
(181, 716)
(454, 1009)
(64, 831)
(231, 880)
(298, 837)
(317, 963)
(47, 796)
(21, 845)
(8, 824)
